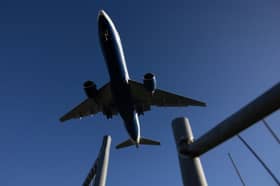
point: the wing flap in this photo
(160, 98)
(163, 98)
(92, 106)
(86, 108)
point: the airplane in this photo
(123, 95)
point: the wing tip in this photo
(202, 104)
(62, 119)
(197, 103)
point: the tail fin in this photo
(143, 141)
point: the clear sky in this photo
(225, 53)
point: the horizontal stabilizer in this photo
(143, 141)
(124, 144)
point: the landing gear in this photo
(140, 109)
(140, 112)
(109, 116)
(108, 113)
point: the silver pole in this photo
(191, 168)
(90, 175)
(239, 121)
(102, 162)
(98, 173)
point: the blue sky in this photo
(225, 53)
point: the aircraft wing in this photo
(93, 106)
(159, 98)
(86, 108)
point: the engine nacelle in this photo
(150, 82)
(90, 89)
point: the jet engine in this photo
(90, 89)
(150, 82)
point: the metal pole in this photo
(271, 131)
(241, 120)
(236, 170)
(259, 159)
(98, 173)
(102, 162)
(191, 168)
(90, 175)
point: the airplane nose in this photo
(101, 13)
(103, 19)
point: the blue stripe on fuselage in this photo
(115, 60)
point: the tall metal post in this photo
(102, 163)
(191, 168)
(98, 173)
